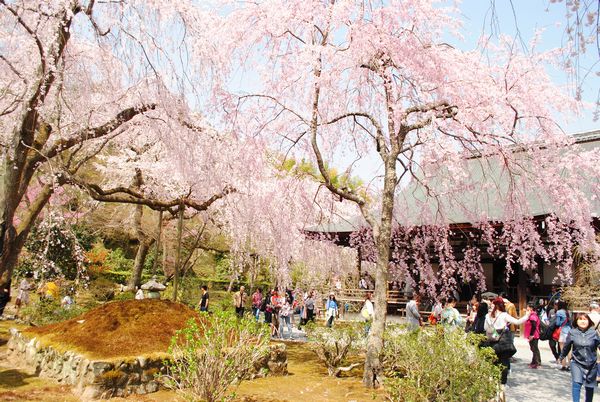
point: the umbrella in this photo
(489, 295)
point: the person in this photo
(472, 307)
(583, 341)
(284, 317)
(413, 317)
(267, 308)
(532, 333)
(309, 305)
(239, 301)
(436, 313)
(479, 321)
(277, 301)
(4, 296)
(362, 284)
(554, 347)
(139, 294)
(367, 312)
(257, 299)
(67, 301)
(204, 299)
(50, 290)
(496, 322)
(541, 312)
(510, 309)
(24, 287)
(331, 309)
(450, 315)
(562, 322)
(594, 315)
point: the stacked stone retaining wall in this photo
(94, 379)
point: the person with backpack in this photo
(563, 327)
(532, 333)
(500, 338)
(554, 347)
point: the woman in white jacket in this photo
(496, 322)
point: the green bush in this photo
(102, 289)
(48, 311)
(117, 261)
(212, 353)
(437, 364)
(121, 296)
(334, 345)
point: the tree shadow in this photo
(13, 378)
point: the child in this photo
(532, 333)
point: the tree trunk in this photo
(158, 236)
(138, 265)
(144, 246)
(382, 234)
(13, 239)
(178, 256)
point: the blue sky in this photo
(521, 19)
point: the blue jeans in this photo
(589, 392)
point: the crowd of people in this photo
(573, 338)
(278, 308)
(49, 290)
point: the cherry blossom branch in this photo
(88, 134)
(128, 195)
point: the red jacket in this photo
(532, 326)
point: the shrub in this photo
(436, 364)
(47, 311)
(212, 353)
(102, 289)
(117, 261)
(332, 345)
(121, 296)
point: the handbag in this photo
(505, 347)
(557, 330)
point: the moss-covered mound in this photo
(118, 329)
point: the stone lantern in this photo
(153, 287)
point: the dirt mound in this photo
(118, 329)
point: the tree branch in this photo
(127, 195)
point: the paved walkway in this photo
(546, 383)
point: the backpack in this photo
(549, 328)
(544, 331)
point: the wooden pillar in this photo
(521, 291)
(358, 263)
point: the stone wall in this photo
(92, 379)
